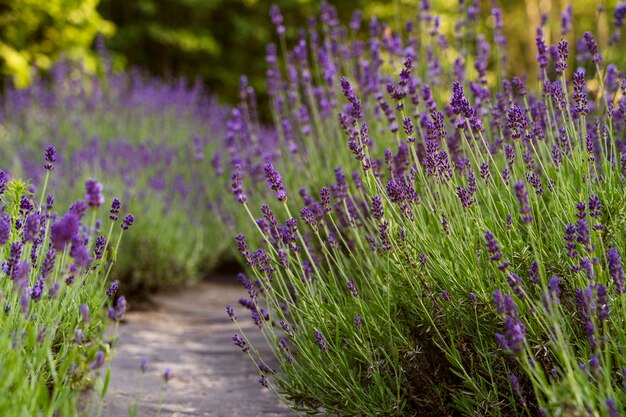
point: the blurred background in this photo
(217, 40)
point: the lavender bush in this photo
(152, 141)
(439, 239)
(54, 294)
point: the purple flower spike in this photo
(592, 47)
(517, 121)
(84, 312)
(616, 270)
(31, 227)
(93, 194)
(277, 20)
(566, 20)
(120, 309)
(377, 208)
(580, 93)
(522, 198)
(353, 289)
(128, 221)
(611, 408)
(116, 204)
(542, 50)
(64, 230)
(517, 389)
(5, 228)
(145, 362)
(238, 341)
(112, 290)
(50, 156)
(167, 375)
(98, 361)
(320, 340)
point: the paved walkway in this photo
(190, 333)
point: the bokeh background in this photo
(217, 40)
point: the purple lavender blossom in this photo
(353, 289)
(277, 20)
(127, 222)
(566, 20)
(98, 361)
(113, 288)
(99, 245)
(64, 230)
(93, 194)
(580, 95)
(517, 389)
(320, 340)
(116, 204)
(118, 312)
(542, 51)
(384, 237)
(50, 156)
(592, 47)
(615, 269)
(167, 375)
(85, 313)
(5, 228)
(31, 227)
(522, 198)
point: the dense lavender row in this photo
(152, 142)
(439, 239)
(54, 293)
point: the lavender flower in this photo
(118, 312)
(98, 361)
(514, 337)
(566, 20)
(112, 290)
(320, 340)
(50, 156)
(615, 269)
(517, 121)
(353, 289)
(85, 313)
(611, 408)
(517, 389)
(542, 51)
(384, 237)
(167, 375)
(377, 208)
(93, 194)
(127, 222)
(592, 47)
(5, 229)
(64, 230)
(50, 202)
(116, 204)
(580, 95)
(31, 227)
(522, 198)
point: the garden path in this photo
(189, 332)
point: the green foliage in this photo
(47, 344)
(34, 34)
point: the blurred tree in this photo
(34, 33)
(217, 40)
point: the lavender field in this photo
(415, 226)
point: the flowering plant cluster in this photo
(436, 238)
(151, 140)
(54, 296)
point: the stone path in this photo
(189, 333)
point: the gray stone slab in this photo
(189, 333)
